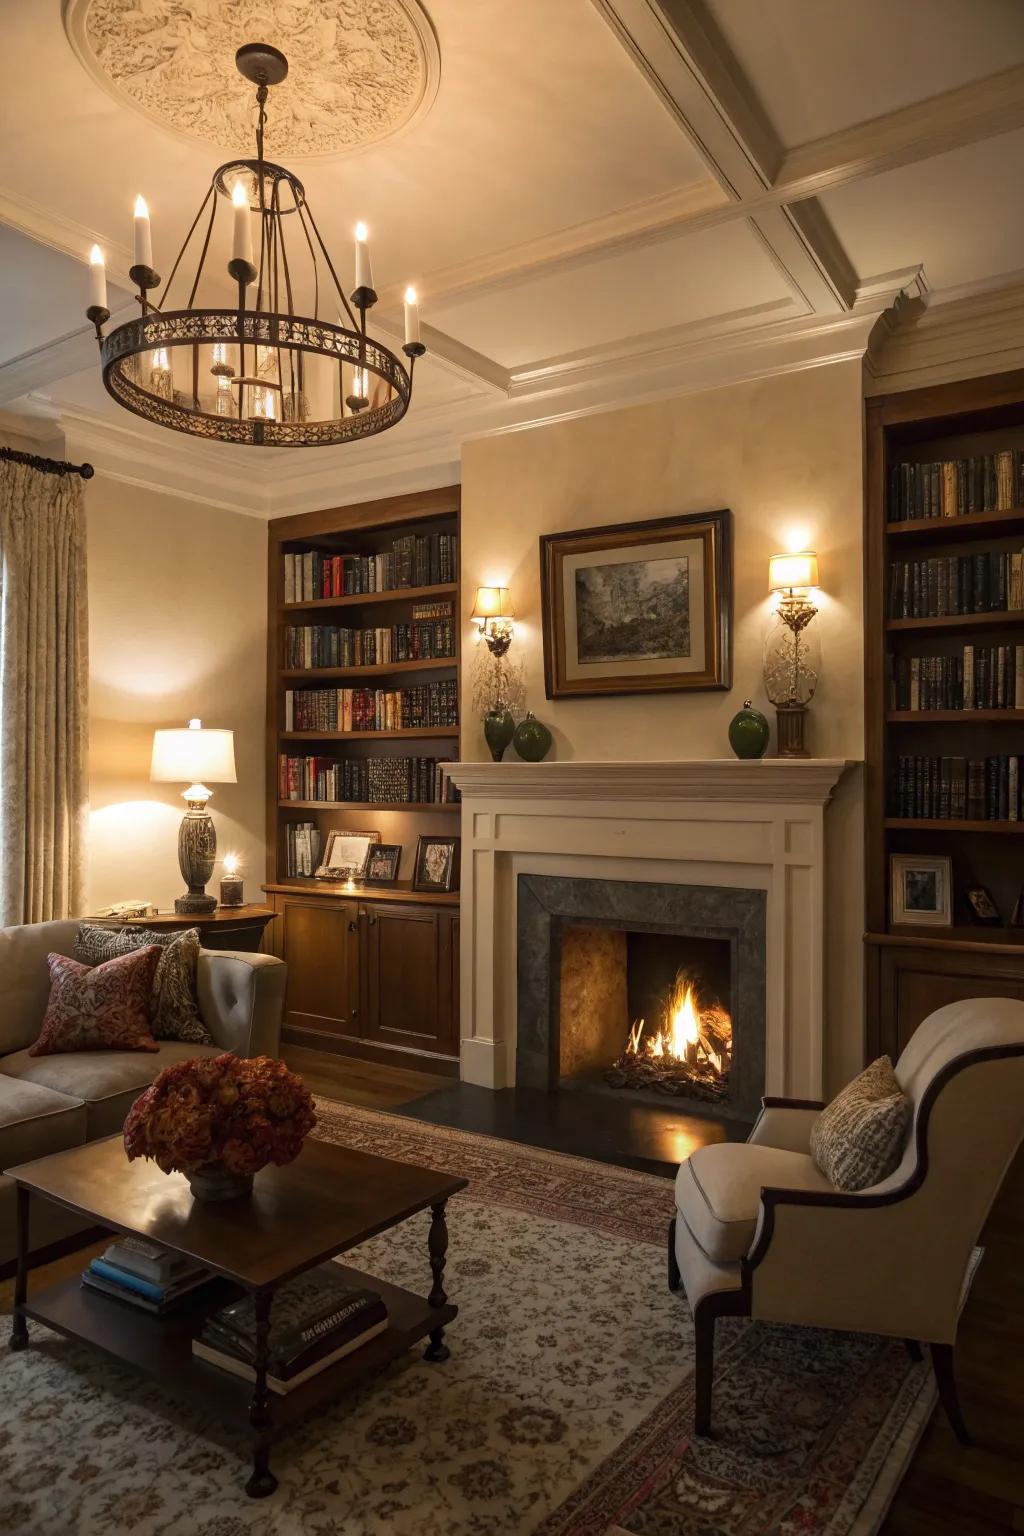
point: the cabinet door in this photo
(407, 991)
(910, 983)
(320, 944)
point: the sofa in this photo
(50, 1103)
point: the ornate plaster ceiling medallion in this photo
(364, 71)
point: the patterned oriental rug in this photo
(566, 1408)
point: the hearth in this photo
(651, 992)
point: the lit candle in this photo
(231, 893)
(412, 318)
(364, 276)
(143, 234)
(242, 246)
(97, 279)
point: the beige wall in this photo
(177, 627)
(785, 455)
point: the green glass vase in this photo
(749, 732)
(499, 728)
(532, 739)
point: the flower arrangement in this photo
(226, 1111)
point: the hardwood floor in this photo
(948, 1490)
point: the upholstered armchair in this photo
(760, 1232)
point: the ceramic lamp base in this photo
(790, 731)
(197, 850)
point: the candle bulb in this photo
(364, 275)
(412, 318)
(143, 246)
(97, 279)
(242, 245)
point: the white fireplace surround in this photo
(756, 825)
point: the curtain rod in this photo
(46, 466)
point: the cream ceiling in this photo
(600, 200)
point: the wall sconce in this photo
(493, 611)
(792, 655)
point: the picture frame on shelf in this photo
(641, 607)
(382, 864)
(346, 854)
(437, 864)
(922, 890)
(982, 907)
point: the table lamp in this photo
(192, 756)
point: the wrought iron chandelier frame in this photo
(269, 326)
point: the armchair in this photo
(760, 1232)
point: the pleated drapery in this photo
(43, 695)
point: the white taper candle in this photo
(364, 274)
(412, 318)
(241, 248)
(143, 245)
(97, 280)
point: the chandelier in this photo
(261, 372)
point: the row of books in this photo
(957, 788)
(372, 709)
(414, 560)
(301, 848)
(989, 582)
(144, 1275)
(983, 677)
(328, 645)
(990, 482)
(316, 1320)
(370, 780)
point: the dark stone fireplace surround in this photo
(546, 903)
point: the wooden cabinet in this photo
(909, 978)
(370, 976)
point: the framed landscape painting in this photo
(638, 607)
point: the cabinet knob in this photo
(373, 920)
(352, 925)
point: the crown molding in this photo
(953, 334)
(62, 234)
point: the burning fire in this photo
(682, 1037)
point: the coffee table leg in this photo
(262, 1482)
(19, 1329)
(437, 1247)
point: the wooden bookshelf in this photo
(911, 970)
(372, 970)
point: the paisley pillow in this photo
(175, 1004)
(99, 1008)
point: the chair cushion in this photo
(105, 1008)
(858, 1139)
(175, 1005)
(35, 1121)
(718, 1192)
(108, 1081)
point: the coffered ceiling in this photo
(600, 201)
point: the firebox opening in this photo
(646, 1012)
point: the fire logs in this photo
(662, 1074)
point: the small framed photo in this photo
(346, 854)
(437, 864)
(382, 864)
(922, 890)
(982, 907)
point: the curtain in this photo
(43, 695)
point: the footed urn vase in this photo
(214, 1183)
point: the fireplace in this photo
(642, 990)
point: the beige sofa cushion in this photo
(35, 1121)
(108, 1081)
(858, 1139)
(718, 1192)
(25, 978)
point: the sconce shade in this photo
(492, 603)
(787, 572)
(194, 755)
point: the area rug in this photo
(566, 1407)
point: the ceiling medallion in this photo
(259, 373)
(368, 70)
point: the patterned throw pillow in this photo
(858, 1139)
(175, 1004)
(99, 1008)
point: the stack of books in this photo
(315, 1320)
(144, 1275)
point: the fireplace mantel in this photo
(769, 780)
(707, 822)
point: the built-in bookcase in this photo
(944, 687)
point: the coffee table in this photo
(327, 1201)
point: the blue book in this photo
(128, 1281)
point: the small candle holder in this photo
(231, 884)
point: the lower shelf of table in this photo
(161, 1347)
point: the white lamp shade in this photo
(492, 603)
(786, 572)
(195, 755)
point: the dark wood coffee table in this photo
(326, 1202)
